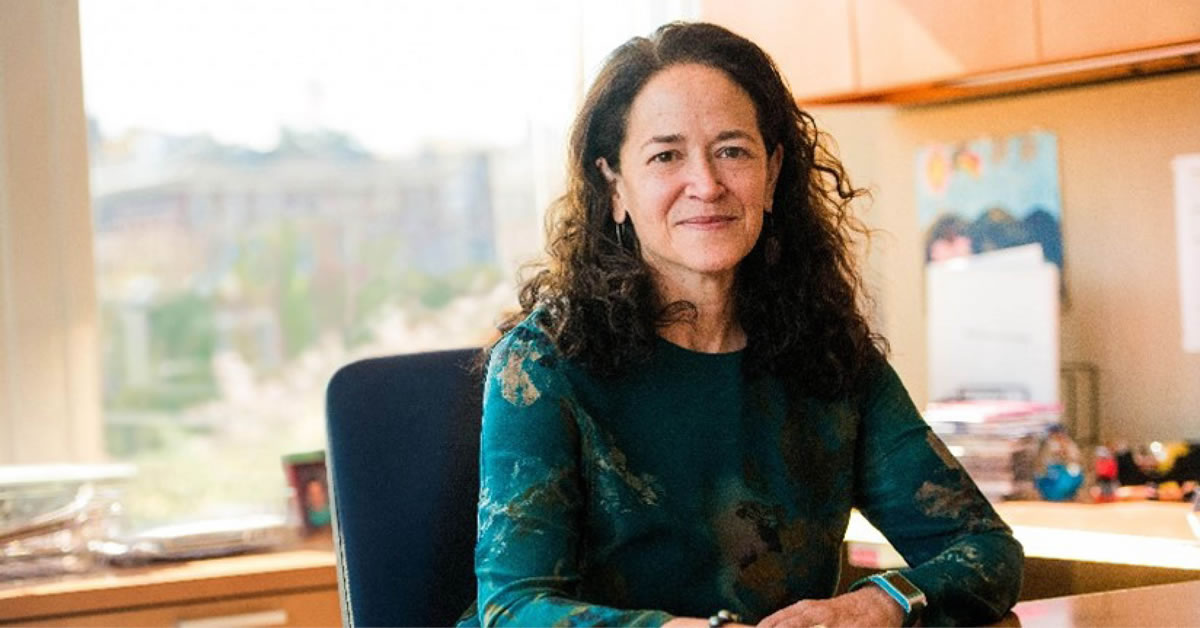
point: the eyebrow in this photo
(733, 134)
(675, 138)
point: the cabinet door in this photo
(1083, 28)
(914, 42)
(809, 41)
(314, 608)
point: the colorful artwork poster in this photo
(990, 193)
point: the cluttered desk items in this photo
(51, 514)
(67, 519)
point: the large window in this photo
(282, 187)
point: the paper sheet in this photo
(1187, 228)
(993, 327)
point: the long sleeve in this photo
(915, 492)
(531, 502)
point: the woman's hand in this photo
(868, 606)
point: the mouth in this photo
(708, 222)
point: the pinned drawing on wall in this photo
(990, 193)
(990, 210)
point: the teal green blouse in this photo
(685, 487)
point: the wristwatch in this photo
(906, 594)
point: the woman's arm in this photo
(964, 558)
(531, 502)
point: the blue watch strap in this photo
(887, 587)
(906, 602)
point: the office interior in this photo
(1118, 132)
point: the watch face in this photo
(906, 588)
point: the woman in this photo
(683, 415)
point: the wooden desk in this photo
(1075, 548)
(1162, 605)
(290, 588)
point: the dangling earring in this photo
(620, 227)
(771, 248)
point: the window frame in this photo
(50, 405)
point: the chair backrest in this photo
(404, 469)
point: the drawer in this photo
(309, 608)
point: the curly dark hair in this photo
(799, 305)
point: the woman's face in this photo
(695, 175)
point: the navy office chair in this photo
(404, 469)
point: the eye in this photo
(665, 157)
(733, 152)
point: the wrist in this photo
(902, 592)
(888, 608)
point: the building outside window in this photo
(279, 188)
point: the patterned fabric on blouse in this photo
(684, 487)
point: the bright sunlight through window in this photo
(280, 188)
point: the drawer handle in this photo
(263, 618)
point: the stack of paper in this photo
(996, 440)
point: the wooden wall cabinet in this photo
(1072, 29)
(906, 42)
(810, 40)
(904, 51)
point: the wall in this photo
(1122, 312)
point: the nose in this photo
(704, 181)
